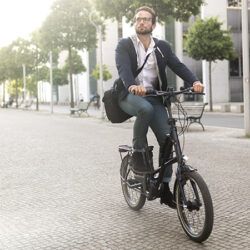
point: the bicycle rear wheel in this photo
(131, 188)
(196, 216)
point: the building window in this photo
(236, 67)
(236, 3)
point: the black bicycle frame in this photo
(178, 151)
(178, 158)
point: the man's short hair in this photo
(149, 10)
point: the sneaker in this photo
(166, 196)
(140, 162)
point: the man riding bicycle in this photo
(150, 112)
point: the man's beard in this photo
(144, 32)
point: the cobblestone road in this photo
(60, 187)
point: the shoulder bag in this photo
(111, 100)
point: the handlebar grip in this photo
(190, 90)
(150, 92)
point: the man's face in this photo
(143, 23)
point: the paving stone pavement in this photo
(60, 187)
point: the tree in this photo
(106, 74)
(14, 88)
(206, 40)
(21, 53)
(3, 70)
(3, 66)
(68, 28)
(60, 77)
(13, 69)
(40, 59)
(179, 9)
(77, 64)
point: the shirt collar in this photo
(138, 42)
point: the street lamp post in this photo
(245, 54)
(99, 31)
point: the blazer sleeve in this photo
(124, 64)
(178, 67)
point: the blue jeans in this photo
(149, 112)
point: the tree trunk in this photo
(16, 93)
(71, 79)
(37, 100)
(4, 93)
(210, 87)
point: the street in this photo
(229, 120)
(60, 186)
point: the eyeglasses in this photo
(144, 19)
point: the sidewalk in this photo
(60, 186)
(94, 112)
(65, 109)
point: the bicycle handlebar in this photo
(172, 92)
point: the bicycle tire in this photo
(134, 198)
(191, 215)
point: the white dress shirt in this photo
(148, 76)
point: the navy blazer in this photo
(126, 63)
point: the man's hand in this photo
(198, 87)
(137, 90)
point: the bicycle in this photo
(193, 200)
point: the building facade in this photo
(227, 80)
(226, 76)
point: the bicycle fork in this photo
(182, 167)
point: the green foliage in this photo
(41, 53)
(14, 86)
(31, 85)
(106, 74)
(179, 9)
(9, 64)
(60, 77)
(23, 54)
(113, 8)
(77, 65)
(19, 52)
(207, 41)
(3, 65)
(68, 26)
(42, 73)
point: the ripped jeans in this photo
(149, 112)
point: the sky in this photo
(18, 18)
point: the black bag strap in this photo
(140, 69)
(137, 71)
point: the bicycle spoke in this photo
(196, 215)
(195, 219)
(132, 189)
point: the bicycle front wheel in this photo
(131, 188)
(196, 214)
